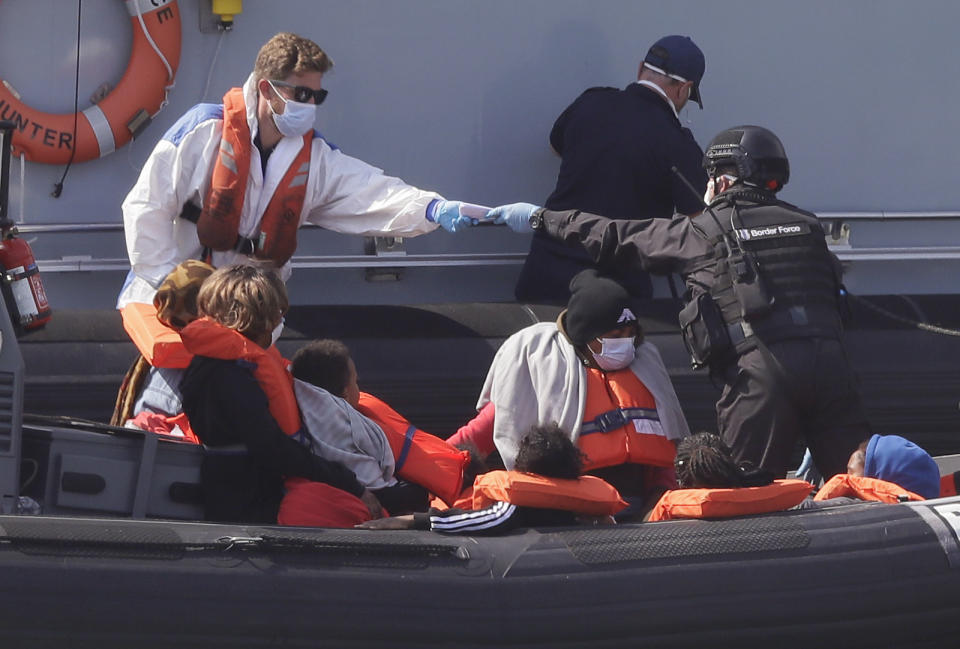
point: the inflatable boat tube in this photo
(862, 575)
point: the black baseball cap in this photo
(679, 58)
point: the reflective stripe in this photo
(227, 161)
(101, 129)
(496, 514)
(614, 419)
(227, 156)
(146, 6)
(405, 449)
(648, 427)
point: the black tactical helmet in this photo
(755, 151)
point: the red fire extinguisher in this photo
(22, 288)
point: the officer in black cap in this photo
(763, 303)
(617, 147)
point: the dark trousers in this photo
(804, 388)
(550, 265)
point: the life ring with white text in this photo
(110, 123)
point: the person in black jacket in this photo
(763, 302)
(617, 147)
(246, 453)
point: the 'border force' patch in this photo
(773, 231)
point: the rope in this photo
(213, 61)
(163, 59)
(58, 186)
(907, 321)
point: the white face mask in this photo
(711, 192)
(275, 334)
(615, 353)
(296, 119)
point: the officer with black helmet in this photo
(763, 302)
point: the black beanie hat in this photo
(597, 304)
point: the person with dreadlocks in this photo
(714, 485)
(545, 488)
(704, 461)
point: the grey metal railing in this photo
(838, 225)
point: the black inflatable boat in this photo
(114, 561)
(866, 575)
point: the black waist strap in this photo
(190, 212)
(794, 322)
(243, 245)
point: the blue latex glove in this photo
(447, 214)
(515, 215)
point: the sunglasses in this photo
(303, 94)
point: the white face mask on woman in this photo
(615, 353)
(296, 119)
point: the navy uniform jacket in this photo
(617, 148)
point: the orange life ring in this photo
(106, 125)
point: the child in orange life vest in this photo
(885, 468)
(370, 437)
(544, 489)
(238, 396)
(327, 364)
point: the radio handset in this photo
(742, 265)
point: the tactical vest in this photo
(794, 268)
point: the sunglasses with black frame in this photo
(303, 94)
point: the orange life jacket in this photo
(724, 503)
(419, 457)
(205, 337)
(844, 484)
(588, 495)
(161, 346)
(463, 501)
(621, 425)
(219, 221)
(948, 484)
(317, 504)
(158, 343)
